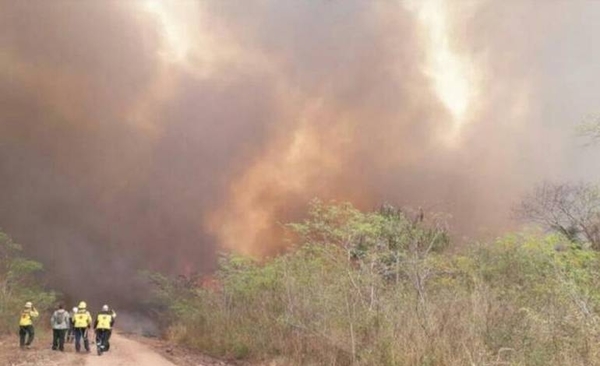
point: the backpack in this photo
(59, 318)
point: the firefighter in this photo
(60, 322)
(82, 323)
(105, 320)
(26, 330)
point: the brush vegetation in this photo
(383, 288)
(19, 283)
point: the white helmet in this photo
(28, 304)
(104, 307)
(75, 309)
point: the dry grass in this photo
(325, 312)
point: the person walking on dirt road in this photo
(83, 322)
(60, 322)
(26, 330)
(105, 320)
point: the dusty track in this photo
(126, 352)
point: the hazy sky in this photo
(139, 134)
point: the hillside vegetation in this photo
(19, 282)
(381, 288)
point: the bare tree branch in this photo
(570, 209)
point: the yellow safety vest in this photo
(104, 321)
(27, 317)
(83, 319)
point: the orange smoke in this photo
(294, 166)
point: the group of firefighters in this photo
(73, 326)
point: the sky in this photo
(156, 134)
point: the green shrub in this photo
(19, 283)
(379, 288)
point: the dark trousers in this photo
(81, 333)
(58, 339)
(108, 339)
(26, 335)
(102, 338)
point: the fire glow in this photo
(453, 75)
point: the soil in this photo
(124, 351)
(38, 354)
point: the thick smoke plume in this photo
(151, 134)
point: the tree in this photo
(570, 209)
(392, 243)
(385, 239)
(19, 282)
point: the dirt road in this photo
(125, 352)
